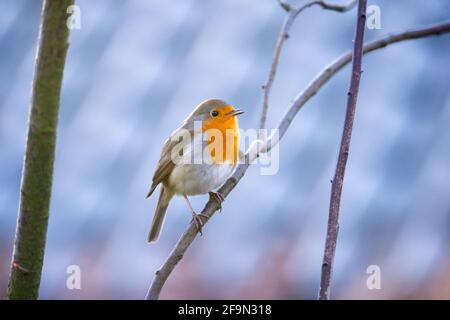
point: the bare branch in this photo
(286, 6)
(282, 37)
(311, 89)
(323, 76)
(325, 5)
(336, 7)
(338, 180)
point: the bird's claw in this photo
(196, 218)
(216, 196)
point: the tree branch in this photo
(336, 65)
(338, 180)
(311, 89)
(335, 7)
(325, 5)
(282, 37)
(36, 186)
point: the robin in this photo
(216, 143)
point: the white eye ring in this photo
(214, 113)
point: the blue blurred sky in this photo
(136, 69)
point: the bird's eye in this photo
(214, 113)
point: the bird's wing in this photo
(165, 164)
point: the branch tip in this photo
(286, 6)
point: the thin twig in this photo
(336, 7)
(338, 180)
(286, 6)
(282, 37)
(336, 65)
(311, 89)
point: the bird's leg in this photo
(216, 196)
(196, 217)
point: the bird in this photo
(196, 159)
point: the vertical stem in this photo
(36, 185)
(336, 188)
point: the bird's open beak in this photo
(235, 112)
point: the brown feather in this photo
(165, 164)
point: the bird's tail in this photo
(160, 214)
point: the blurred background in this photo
(136, 69)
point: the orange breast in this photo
(226, 147)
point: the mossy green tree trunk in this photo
(36, 186)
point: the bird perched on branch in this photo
(196, 159)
